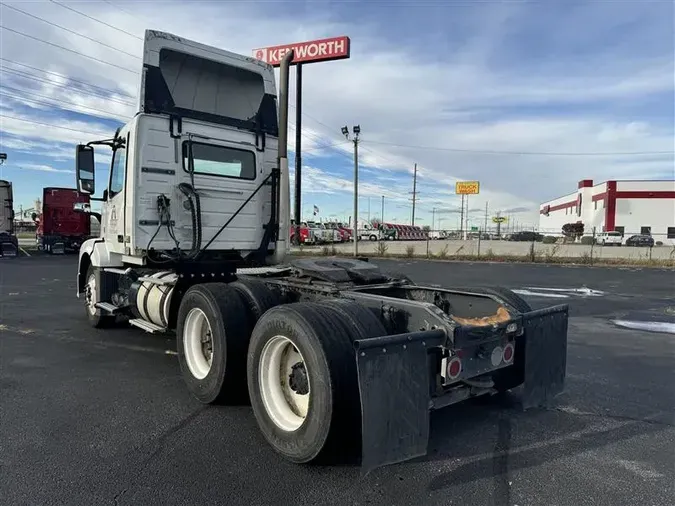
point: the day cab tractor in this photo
(60, 227)
(336, 357)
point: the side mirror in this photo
(84, 168)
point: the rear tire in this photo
(212, 333)
(326, 423)
(257, 296)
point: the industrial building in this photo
(630, 207)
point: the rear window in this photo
(222, 161)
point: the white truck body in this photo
(231, 159)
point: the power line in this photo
(68, 49)
(533, 153)
(51, 125)
(69, 30)
(63, 76)
(18, 96)
(26, 75)
(95, 19)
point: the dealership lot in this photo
(92, 417)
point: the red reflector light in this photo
(507, 355)
(454, 367)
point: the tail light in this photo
(507, 354)
(454, 368)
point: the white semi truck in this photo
(9, 244)
(334, 355)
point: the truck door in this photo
(112, 226)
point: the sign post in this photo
(335, 48)
(499, 220)
(466, 188)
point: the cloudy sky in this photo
(526, 97)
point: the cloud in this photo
(506, 77)
(44, 168)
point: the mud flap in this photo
(394, 385)
(545, 355)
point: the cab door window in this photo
(117, 171)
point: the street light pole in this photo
(382, 214)
(356, 129)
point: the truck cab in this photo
(192, 174)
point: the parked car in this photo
(609, 238)
(640, 240)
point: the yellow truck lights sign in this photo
(467, 187)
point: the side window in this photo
(221, 161)
(117, 172)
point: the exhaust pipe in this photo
(282, 159)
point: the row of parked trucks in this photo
(60, 227)
(335, 232)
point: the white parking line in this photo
(662, 327)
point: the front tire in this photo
(212, 333)
(303, 381)
(92, 295)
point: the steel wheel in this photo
(198, 343)
(90, 294)
(284, 383)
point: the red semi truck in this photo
(60, 226)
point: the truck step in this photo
(147, 326)
(109, 308)
(115, 270)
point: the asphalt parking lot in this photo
(101, 417)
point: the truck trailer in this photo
(9, 244)
(60, 226)
(336, 357)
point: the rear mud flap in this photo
(393, 374)
(545, 355)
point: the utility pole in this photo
(414, 195)
(382, 215)
(466, 228)
(368, 209)
(461, 220)
(486, 217)
(433, 218)
(356, 129)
